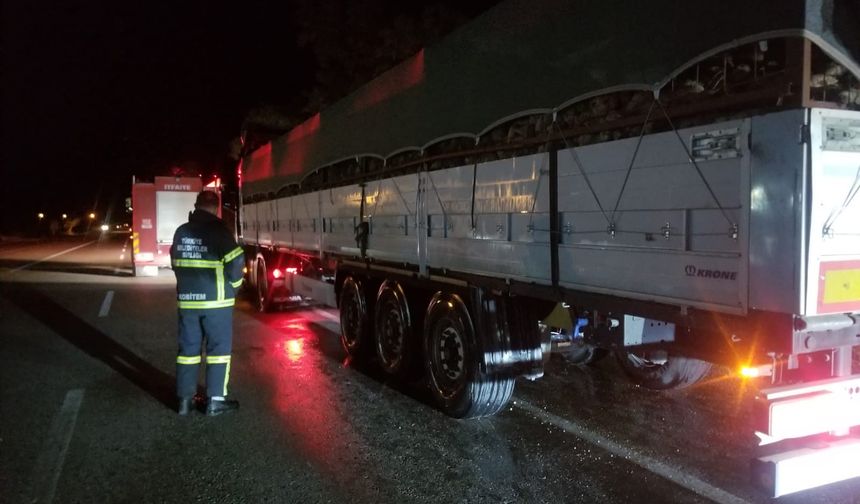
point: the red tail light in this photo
(277, 273)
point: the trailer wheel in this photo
(672, 373)
(458, 386)
(545, 342)
(263, 296)
(393, 326)
(354, 321)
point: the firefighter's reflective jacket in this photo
(207, 262)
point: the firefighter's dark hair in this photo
(207, 199)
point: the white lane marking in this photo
(673, 474)
(330, 316)
(49, 465)
(52, 256)
(103, 311)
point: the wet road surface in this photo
(86, 390)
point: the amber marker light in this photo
(752, 371)
(749, 372)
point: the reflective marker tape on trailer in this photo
(805, 468)
(796, 411)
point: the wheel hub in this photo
(392, 334)
(451, 353)
(350, 315)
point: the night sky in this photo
(95, 92)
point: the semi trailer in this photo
(669, 183)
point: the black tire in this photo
(262, 290)
(246, 290)
(583, 354)
(354, 320)
(545, 342)
(675, 373)
(453, 374)
(526, 338)
(393, 329)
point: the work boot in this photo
(186, 405)
(218, 406)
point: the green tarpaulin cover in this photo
(524, 55)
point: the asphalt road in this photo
(87, 357)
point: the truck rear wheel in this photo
(455, 380)
(672, 372)
(263, 295)
(354, 320)
(393, 326)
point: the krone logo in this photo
(693, 271)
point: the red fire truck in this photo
(158, 208)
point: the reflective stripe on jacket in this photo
(207, 262)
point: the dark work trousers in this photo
(215, 325)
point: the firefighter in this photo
(208, 266)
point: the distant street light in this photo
(41, 215)
(65, 216)
(92, 216)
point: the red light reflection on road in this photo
(294, 349)
(307, 398)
